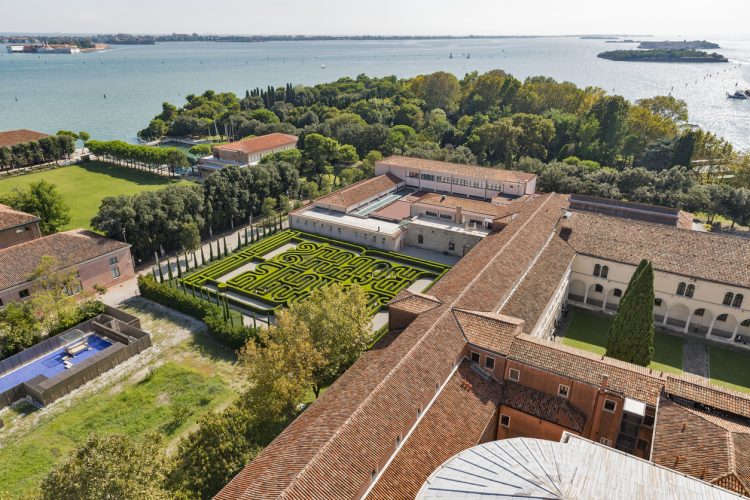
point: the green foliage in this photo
(45, 150)
(663, 55)
(147, 156)
(43, 200)
(631, 336)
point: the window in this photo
(610, 405)
(690, 291)
(563, 390)
(597, 270)
(505, 420)
(648, 420)
(737, 300)
(116, 272)
(460, 182)
(728, 297)
(617, 292)
(451, 246)
(420, 239)
(514, 375)
(339, 230)
(113, 260)
(24, 293)
(475, 357)
(744, 323)
(605, 441)
(413, 175)
(475, 222)
(444, 180)
(605, 271)
(721, 317)
(599, 288)
(489, 363)
(657, 302)
(446, 216)
(430, 213)
(428, 177)
(699, 312)
(642, 444)
(681, 288)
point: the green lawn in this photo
(729, 368)
(84, 186)
(588, 331)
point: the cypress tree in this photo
(161, 275)
(211, 251)
(203, 257)
(169, 270)
(179, 268)
(226, 252)
(153, 271)
(218, 249)
(239, 241)
(631, 336)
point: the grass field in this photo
(729, 368)
(588, 331)
(84, 186)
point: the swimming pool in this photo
(52, 363)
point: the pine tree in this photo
(631, 336)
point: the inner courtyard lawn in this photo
(587, 330)
(84, 186)
(729, 368)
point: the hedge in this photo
(232, 336)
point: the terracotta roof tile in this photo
(466, 204)
(414, 302)
(493, 332)
(360, 191)
(541, 405)
(698, 390)
(258, 144)
(12, 137)
(457, 419)
(458, 169)
(70, 247)
(12, 218)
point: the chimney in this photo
(605, 382)
(459, 214)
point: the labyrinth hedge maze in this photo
(313, 263)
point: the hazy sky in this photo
(720, 18)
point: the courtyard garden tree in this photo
(631, 336)
(110, 466)
(43, 200)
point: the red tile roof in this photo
(466, 204)
(553, 409)
(493, 332)
(698, 390)
(12, 137)
(458, 169)
(71, 248)
(10, 218)
(360, 191)
(414, 302)
(259, 144)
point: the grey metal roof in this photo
(574, 468)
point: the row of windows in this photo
(489, 362)
(685, 290)
(733, 300)
(458, 182)
(601, 271)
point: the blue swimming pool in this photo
(51, 364)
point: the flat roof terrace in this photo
(374, 225)
(449, 226)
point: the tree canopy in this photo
(43, 200)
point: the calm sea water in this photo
(52, 92)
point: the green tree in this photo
(190, 236)
(536, 135)
(107, 467)
(631, 336)
(666, 106)
(43, 200)
(496, 142)
(438, 90)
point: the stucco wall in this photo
(342, 232)
(439, 240)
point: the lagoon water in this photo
(52, 92)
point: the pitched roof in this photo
(493, 332)
(458, 419)
(630, 380)
(12, 137)
(553, 409)
(703, 445)
(13, 218)
(458, 169)
(413, 302)
(698, 390)
(258, 144)
(360, 191)
(687, 253)
(70, 248)
(466, 204)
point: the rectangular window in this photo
(444, 180)
(116, 272)
(429, 213)
(451, 246)
(642, 445)
(475, 357)
(446, 216)
(505, 420)
(113, 260)
(563, 390)
(657, 302)
(24, 293)
(428, 177)
(460, 182)
(413, 175)
(648, 420)
(489, 363)
(605, 441)
(475, 222)
(610, 405)
(514, 375)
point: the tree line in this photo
(146, 157)
(26, 154)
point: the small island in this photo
(663, 55)
(684, 45)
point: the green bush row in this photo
(232, 336)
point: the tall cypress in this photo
(226, 251)
(631, 336)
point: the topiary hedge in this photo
(232, 336)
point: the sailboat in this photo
(322, 66)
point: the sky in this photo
(675, 18)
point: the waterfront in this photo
(51, 92)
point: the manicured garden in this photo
(84, 186)
(587, 330)
(300, 263)
(729, 368)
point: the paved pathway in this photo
(695, 357)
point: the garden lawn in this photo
(588, 331)
(729, 368)
(84, 186)
(151, 405)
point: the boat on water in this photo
(322, 66)
(739, 95)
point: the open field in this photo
(84, 186)
(588, 331)
(288, 266)
(729, 368)
(165, 390)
